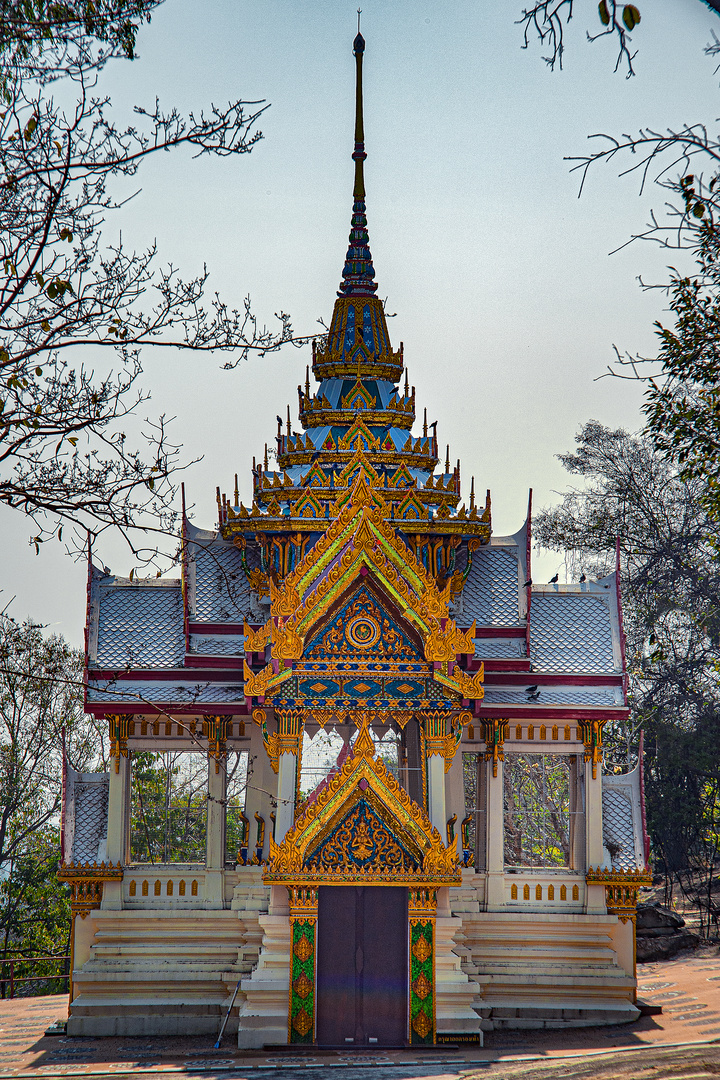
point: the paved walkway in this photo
(677, 1043)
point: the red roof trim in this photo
(166, 710)
(540, 713)
(547, 678)
(499, 631)
(178, 675)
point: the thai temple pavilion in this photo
(355, 753)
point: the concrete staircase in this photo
(167, 972)
(545, 970)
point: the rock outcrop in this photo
(661, 933)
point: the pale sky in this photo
(507, 300)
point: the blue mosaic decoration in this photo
(359, 841)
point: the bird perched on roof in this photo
(528, 583)
(583, 577)
(553, 580)
(531, 689)
(534, 697)
(279, 420)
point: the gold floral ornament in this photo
(256, 640)
(286, 642)
(422, 985)
(449, 641)
(470, 686)
(421, 1024)
(119, 734)
(86, 882)
(592, 739)
(302, 985)
(361, 836)
(621, 889)
(257, 684)
(302, 1023)
(422, 950)
(303, 949)
(496, 732)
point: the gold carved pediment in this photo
(360, 541)
(394, 840)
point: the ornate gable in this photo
(363, 828)
(360, 543)
(358, 437)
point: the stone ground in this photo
(682, 1042)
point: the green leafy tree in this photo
(36, 918)
(168, 807)
(670, 581)
(682, 403)
(40, 698)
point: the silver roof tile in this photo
(491, 593)
(139, 625)
(571, 633)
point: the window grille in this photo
(168, 807)
(236, 823)
(473, 827)
(542, 810)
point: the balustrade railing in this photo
(32, 976)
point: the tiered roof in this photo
(358, 418)
(194, 646)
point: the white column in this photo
(436, 793)
(215, 842)
(594, 853)
(117, 832)
(216, 816)
(287, 779)
(495, 850)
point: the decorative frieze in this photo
(301, 1013)
(621, 889)
(422, 980)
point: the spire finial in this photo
(359, 154)
(358, 272)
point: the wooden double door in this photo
(362, 966)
